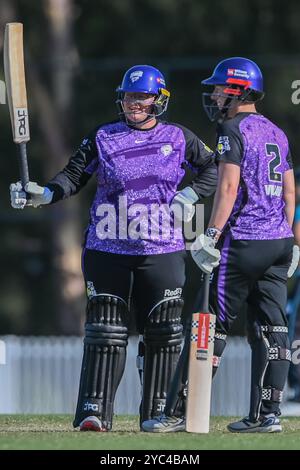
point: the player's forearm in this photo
(63, 186)
(229, 178)
(78, 170)
(223, 204)
(297, 232)
(290, 209)
(289, 195)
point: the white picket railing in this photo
(41, 375)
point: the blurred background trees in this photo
(76, 52)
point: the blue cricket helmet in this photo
(144, 79)
(238, 71)
(243, 81)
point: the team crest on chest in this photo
(166, 150)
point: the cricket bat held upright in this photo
(200, 366)
(16, 92)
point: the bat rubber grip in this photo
(204, 303)
(23, 164)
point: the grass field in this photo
(56, 432)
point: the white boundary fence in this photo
(41, 375)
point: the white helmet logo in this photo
(166, 149)
(134, 76)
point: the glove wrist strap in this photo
(214, 233)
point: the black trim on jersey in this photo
(74, 176)
(201, 159)
(230, 144)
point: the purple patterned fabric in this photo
(141, 167)
(258, 213)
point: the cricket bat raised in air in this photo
(200, 365)
(16, 92)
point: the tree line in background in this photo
(76, 52)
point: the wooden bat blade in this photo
(200, 372)
(15, 81)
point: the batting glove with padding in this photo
(182, 204)
(34, 195)
(204, 253)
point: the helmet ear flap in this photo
(255, 96)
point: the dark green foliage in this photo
(185, 38)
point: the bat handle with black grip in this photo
(204, 299)
(23, 164)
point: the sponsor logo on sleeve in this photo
(223, 144)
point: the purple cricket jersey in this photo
(143, 168)
(261, 150)
(137, 172)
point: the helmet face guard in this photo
(147, 80)
(242, 81)
(159, 106)
(232, 95)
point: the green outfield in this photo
(56, 432)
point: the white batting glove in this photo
(204, 253)
(38, 195)
(183, 204)
(295, 261)
(17, 196)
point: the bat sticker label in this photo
(22, 124)
(201, 354)
(203, 336)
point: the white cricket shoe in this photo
(92, 423)
(164, 423)
(268, 423)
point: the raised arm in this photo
(77, 172)
(67, 182)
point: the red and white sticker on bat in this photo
(203, 335)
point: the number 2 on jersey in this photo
(272, 150)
